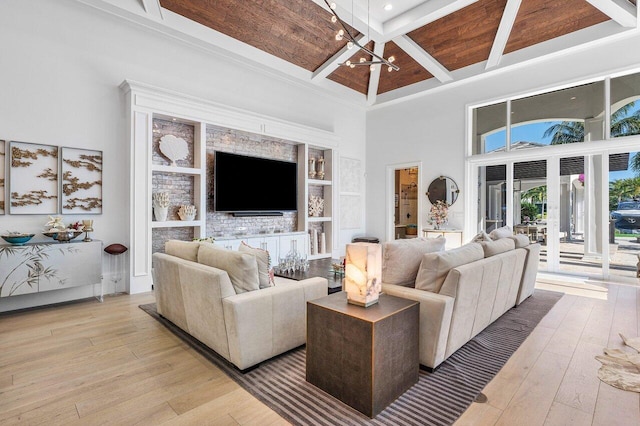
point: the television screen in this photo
(252, 184)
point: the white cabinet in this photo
(230, 244)
(270, 244)
(453, 236)
(277, 245)
(38, 267)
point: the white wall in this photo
(432, 128)
(61, 63)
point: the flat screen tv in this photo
(253, 185)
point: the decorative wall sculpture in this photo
(3, 147)
(81, 181)
(33, 178)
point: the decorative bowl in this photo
(17, 239)
(62, 236)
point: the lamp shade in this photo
(363, 273)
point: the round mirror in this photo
(443, 189)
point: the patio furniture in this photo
(534, 231)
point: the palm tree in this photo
(623, 189)
(622, 124)
(566, 132)
(537, 194)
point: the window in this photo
(490, 123)
(625, 105)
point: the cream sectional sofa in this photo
(461, 291)
(214, 294)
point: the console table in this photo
(365, 357)
(37, 267)
(453, 236)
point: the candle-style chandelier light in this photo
(344, 32)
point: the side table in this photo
(365, 357)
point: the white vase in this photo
(160, 213)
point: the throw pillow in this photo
(401, 258)
(435, 266)
(501, 232)
(264, 264)
(521, 240)
(241, 267)
(481, 236)
(187, 250)
(491, 248)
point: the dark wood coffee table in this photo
(318, 268)
(365, 357)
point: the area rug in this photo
(439, 397)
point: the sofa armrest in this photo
(435, 320)
(190, 295)
(530, 272)
(263, 323)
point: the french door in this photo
(561, 200)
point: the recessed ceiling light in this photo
(388, 6)
(573, 98)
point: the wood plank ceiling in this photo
(301, 33)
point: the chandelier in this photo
(351, 42)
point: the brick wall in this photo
(245, 143)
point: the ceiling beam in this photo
(504, 30)
(374, 76)
(334, 62)
(422, 57)
(420, 16)
(621, 11)
(372, 29)
(153, 8)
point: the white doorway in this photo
(404, 201)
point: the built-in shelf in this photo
(319, 256)
(319, 182)
(145, 103)
(319, 219)
(172, 169)
(176, 223)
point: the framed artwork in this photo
(3, 147)
(33, 178)
(81, 171)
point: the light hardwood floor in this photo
(110, 363)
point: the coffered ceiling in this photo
(434, 42)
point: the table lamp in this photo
(363, 273)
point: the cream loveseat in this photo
(461, 291)
(214, 295)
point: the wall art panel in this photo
(81, 181)
(3, 147)
(33, 178)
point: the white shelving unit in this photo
(198, 172)
(144, 103)
(323, 187)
